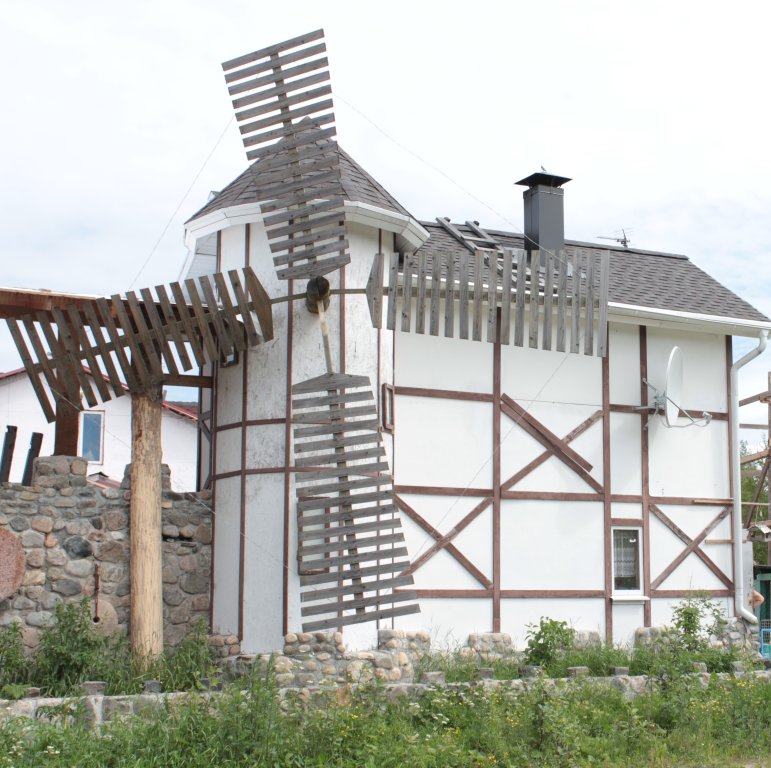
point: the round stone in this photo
(11, 563)
(77, 547)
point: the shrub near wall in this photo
(75, 542)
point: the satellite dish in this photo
(667, 402)
(673, 389)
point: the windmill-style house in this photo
(520, 392)
(433, 425)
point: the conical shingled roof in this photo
(358, 186)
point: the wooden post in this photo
(67, 428)
(145, 524)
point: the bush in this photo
(14, 668)
(547, 640)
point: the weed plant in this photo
(550, 726)
(73, 649)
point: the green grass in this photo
(577, 725)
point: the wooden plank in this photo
(506, 295)
(340, 397)
(144, 339)
(589, 317)
(322, 223)
(299, 219)
(548, 298)
(271, 50)
(359, 513)
(66, 378)
(346, 485)
(436, 295)
(338, 442)
(68, 354)
(339, 457)
(258, 127)
(118, 341)
(449, 296)
(535, 261)
(280, 61)
(202, 321)
(364, 572)
(334, 416)
(160, 333)
(575, 308)
(355, 470)
(280, 77)
(322, 531)
(243, 308)
(18, 340)
(260, 301)
(478, 266)
(315, 233)
(54, 384)
(225, 340)
(171, 326)
(519, 325)
(602, 326)
(192, 335)
(492, 298)
(314, 268)
(420, 306)
(283, 97)
(82, 342)
(103, 348)
(327, 429)
(341, 501)
(234, 327)
(374, 290)
(409, 267)
(281, 89)
(393, 285)
(463, 280)
(337, 561)
(377, 584)
(357, 603)
(330, 381)
(309, 253)
(288, 131)
(291, 142)
(562, 299)
(358, 618)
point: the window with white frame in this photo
(626, 560)
(92, 436)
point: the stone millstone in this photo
(12, 563)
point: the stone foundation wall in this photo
(94, 710)
(75, 543)
(736, 633)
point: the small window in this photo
(92, 436)
(626, 559)
(387, 408)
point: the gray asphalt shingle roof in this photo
(358, 186)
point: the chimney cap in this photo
(542, 179)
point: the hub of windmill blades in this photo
(317, 290)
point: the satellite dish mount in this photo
(666, 402)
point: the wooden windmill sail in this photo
(351, 552)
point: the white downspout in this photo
(738, 531)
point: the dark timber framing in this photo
(503, 488)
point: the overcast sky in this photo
(116, 123)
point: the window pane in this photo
(626, 559)
(92, 437)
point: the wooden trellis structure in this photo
(757, 513)
(79, 347)
(497, 286)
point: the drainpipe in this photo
(738, 531)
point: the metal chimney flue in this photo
(544, 212)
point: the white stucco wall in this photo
(19, 407)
